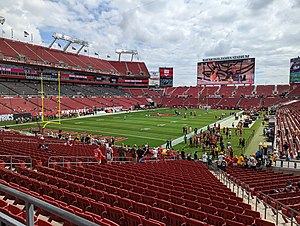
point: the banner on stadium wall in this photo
(226, 70)
(6, 117)
(10, 117)
(154, 78)
(166, 76)
(295, 70)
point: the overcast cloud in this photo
(177, 33)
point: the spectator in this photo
(289, 186)
(241, 160)
(204, 158)
(252, 162)
(140, 154)
(182, 154)
(195, 156)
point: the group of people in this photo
(106, 152)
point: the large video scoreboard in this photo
(226, 70)
(166, 76)
(295, 70)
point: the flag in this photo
(59, 45)
(96, 54)
(73, 48)
(26, 33)
(108, 56)
(85, 50)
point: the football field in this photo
(152, 126)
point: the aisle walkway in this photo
(258, 137)
(225, 122)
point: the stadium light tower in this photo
(126, 51)
(2, 20)
(69, 40)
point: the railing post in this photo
(276, 213)
(11, 162)
(63, 158)
(29, 214)
(249, 195)
(265, 210)
(256, 203)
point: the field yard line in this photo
(86, 116)
(98, 131)
(181, 139)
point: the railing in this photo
(292, 164)
(222, 176)
(30, 202)
(19, 139)
(279, 206)
(64, 160)
(12, 157)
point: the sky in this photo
(176, 33)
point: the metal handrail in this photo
(67, 157)
(11, 163)
(295, 162)
(294, 213)
(125, 160)
(223, 177)
(31, 201)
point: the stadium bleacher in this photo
(166, 193)
(160, 193)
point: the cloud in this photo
(176, 33)
(258, 4)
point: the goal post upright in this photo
(42, 95)
(46, 122)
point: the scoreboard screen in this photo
(239, 71)
(166, 77)
(295, 70)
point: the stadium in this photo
(91, 139)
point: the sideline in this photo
(86, 116)
(227, 120)
(121, 134)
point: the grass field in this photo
(136, 127)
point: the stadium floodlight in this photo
(2, 20)
(126, 51)
(70, 40)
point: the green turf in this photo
(137, 128)
(238, 150)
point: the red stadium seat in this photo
(193, 222)
(115, 214)
(226, 214)
(151, 222)
(132, 219)
(260, 222)
(174, 219)
(197, 214)
(233, 223)
(247, 220)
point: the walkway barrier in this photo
(289, 215)
(292, 164)
(31, 201)
(64, 160)
(77, 160)
(14, 160)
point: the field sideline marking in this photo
(86, 116)
(128, 135)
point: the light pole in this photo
(2, 20)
